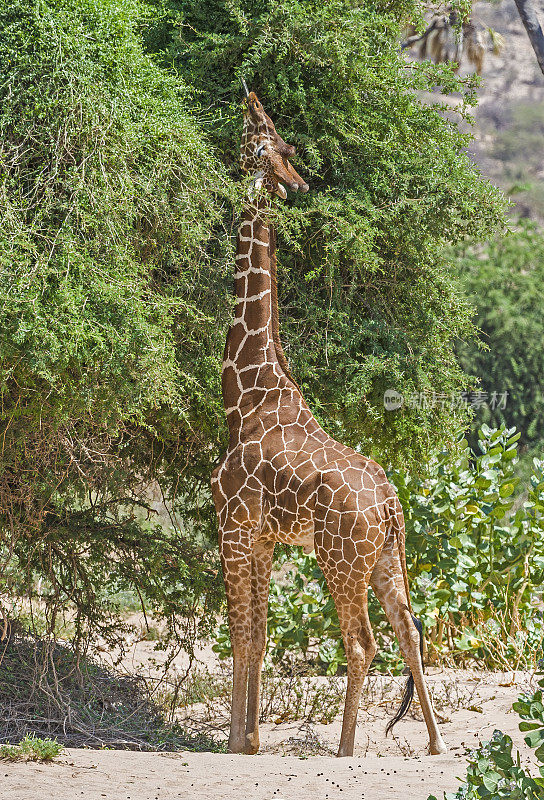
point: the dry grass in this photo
(205, 695)
(203, 702)
(48, 691)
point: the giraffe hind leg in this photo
(410, 685)
(348, 586)
(360, 647)
(388, 584)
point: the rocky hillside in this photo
(509, 144)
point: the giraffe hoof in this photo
(252, 744)
(438, 748)
(235, 747)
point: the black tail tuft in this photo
(408, 695)
(419, 627)
(404, 706)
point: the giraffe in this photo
(283, 479)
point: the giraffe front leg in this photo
(236, 561)
(261, 566)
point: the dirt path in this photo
(382, 768)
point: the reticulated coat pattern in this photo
(284, 479)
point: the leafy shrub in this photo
(362, 273)
(531, 709)
(495, 773)
(31, 748)
(504, 279)
(108, 197)
(476, 564)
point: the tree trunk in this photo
(532, 26)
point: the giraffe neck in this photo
(280, 355)
(253, 354)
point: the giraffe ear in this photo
(286, 150)
(281, 191)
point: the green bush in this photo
(531, 709)
(476, 563)
(495, 773)
(109, 195)
(504, 279)
(31, 748)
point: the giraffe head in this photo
(264, 153)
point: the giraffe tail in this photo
(408, 695)
(397, 522)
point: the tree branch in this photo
(530, 19)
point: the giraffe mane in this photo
(280, 354)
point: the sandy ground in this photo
(382, 768)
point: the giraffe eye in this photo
(260, 150)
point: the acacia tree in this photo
(529, 17)
(117, 193)
(367, 301)
(108, 194)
